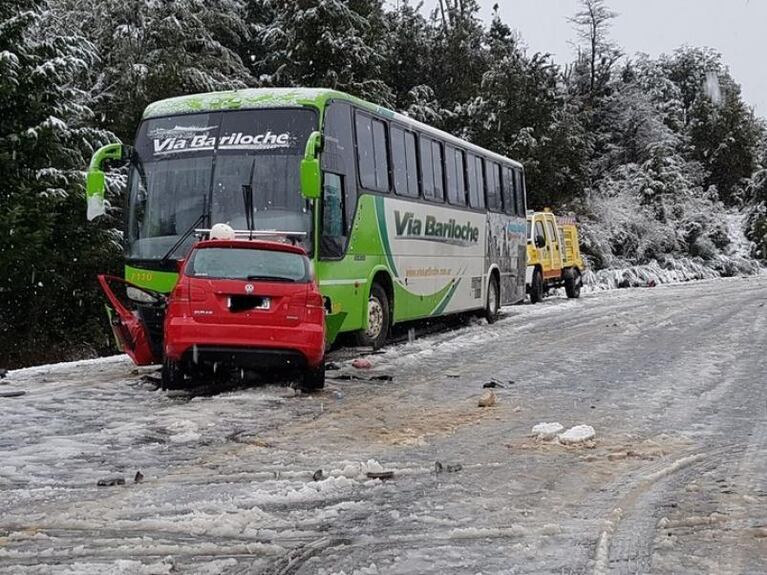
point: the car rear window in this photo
(253, 264)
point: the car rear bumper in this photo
(243, 346)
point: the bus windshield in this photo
(187, 165)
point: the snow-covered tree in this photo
(48, 254)
(152, 50)
(323, 43)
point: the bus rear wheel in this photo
(379, 319)
(493, 305)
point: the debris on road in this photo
(3, 373)
(497, 383)
(12, 393)
(487, 400)
(382, 475)
(318, 475)
(547, 431)
(362, 363)
(330, 366)
(138, 478)
(111, 482)
(383, 377)
(577, 434)
(449, 468)
(452, 374)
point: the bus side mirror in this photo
(94, 193)
(95, 181)
(310, 168)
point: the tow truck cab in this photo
(553, 255)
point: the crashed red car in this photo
(245, 305)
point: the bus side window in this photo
(454, 176)
(519, 181)
(437, 170)
(403, 159)
(493, 189)
(333, 240)
(372, 156)
(338, 154)
(476, 178)
(509, 200)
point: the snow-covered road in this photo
(672, 379)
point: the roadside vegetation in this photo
(651, 154)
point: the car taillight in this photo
(314, 299)
(185, 292)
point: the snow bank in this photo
(577, 434)
(547, 431)
(671, 270)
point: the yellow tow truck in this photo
(553, 255)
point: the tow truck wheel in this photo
(172, 376)
(314, 378)
(536, 288)
(379, 319)
(493, 305)
(573, 283)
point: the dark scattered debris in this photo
(382, 475)
(623, 284)
(12, 393)
(3, 373)
(138, 478)
(318, 475)
(353, 377)
(497, 383)
(449, 468)
(330, 366)
(111, 481)
(146, 378)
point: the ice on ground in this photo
(577, 434)
(547, 431)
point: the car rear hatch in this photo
(248, 283)
(238, 302)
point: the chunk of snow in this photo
(577, 434)
(547, 431)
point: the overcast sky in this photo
(736, 28)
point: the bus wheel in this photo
(573, 283)
(536, 288)
(493, 306)
(172, 376)
(379, 319)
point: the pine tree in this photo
(323, 43)
(154, 50)
(49, 256)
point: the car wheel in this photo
(493, 305)
(536, 289)
(379, 319)
(573, 283)
(172, 376)
(314, 377)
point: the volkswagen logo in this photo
(248, 288)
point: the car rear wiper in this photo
(271, 278)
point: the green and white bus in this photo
(402, 221)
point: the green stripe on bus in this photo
(384, 234)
